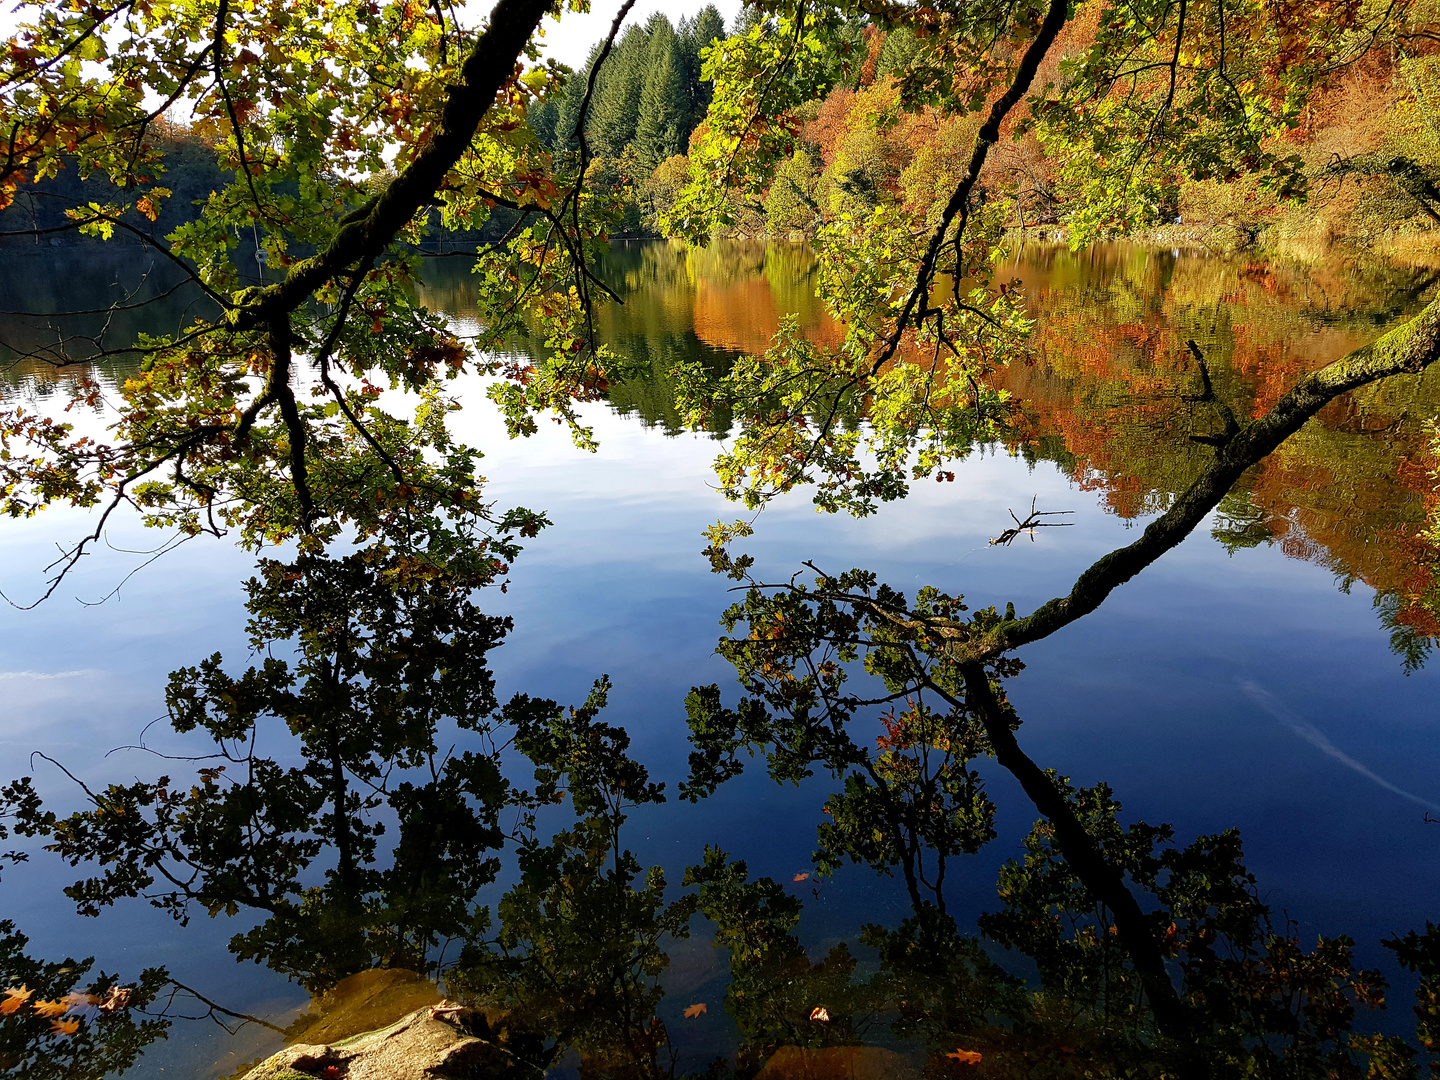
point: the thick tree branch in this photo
(1407, 349)
(1083, 855)
(489, 66)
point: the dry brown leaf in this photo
(76, 1000)
(820, 1014)
(117, 999)
(51, 1008)
(965, 1057)
(14, 998)
(64, 1027)
(698, 1009)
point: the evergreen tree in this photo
(569, 111)
(616, 103)
(697, 35)
(543, 117)
(663, 126)
(896, 54)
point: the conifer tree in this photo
(662, 128)
(616, 103)
(569, 109)
(543, 117)
(697, 35)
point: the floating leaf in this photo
(820, 1014)
(801, 877)
(14, 998)
(51, 1008)
(965, 1057)
(64, 1027)
(698, 1009)
(118, 998)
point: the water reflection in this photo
(88, 304)
(1112, 394)
(1138, 955)
(335, 808)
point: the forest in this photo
(1041, 394)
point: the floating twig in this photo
(1031, 523)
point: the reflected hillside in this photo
(1116, 383)
(1113, 391)
(120, 293)
(679, 304)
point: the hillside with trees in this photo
(1367, 145)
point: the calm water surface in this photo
(1255, 678)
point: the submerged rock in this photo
(428, 1044)
(838, 1063)
(367, 1001)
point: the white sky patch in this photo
(569, 40)
(1316, 738)
(45, 676)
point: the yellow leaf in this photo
(51, 1008)
(695, 1010)
(64, 1027)
(14, 999)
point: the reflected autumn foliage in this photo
(1113, 392)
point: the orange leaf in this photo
(695, 1010)
(820, 1014)
(64, 1027)
(965, 1057)
(51, 1008)
(14, 999)
(801, 877)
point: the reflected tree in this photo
(57, 1022)
(367, 662)
(580, 946)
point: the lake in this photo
(1268, 675)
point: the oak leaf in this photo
(965, 1057)
(64, 1027)
(51, 1008)
(14, 998)
(698, 1009)
(820, 1014)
